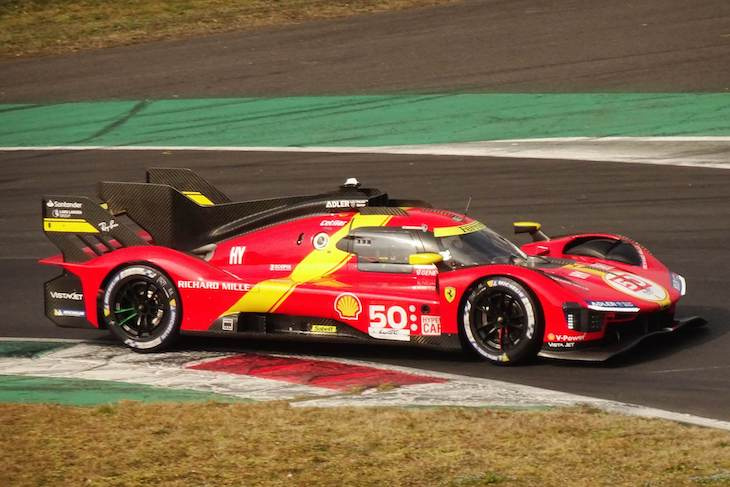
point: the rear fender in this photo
(200, 306)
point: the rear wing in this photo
(83, 229)
(183, 211)
(188, 183)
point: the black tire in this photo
(501, 321)
(141, 307)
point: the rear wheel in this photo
(141, 308)
(501, 321)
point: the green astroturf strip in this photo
(29, 349)
(364, 120)
(80, 392)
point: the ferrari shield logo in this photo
(449, 293)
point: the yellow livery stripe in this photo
(198, 197)
(68, 225)
(267, 296)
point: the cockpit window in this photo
(385, 248)
(477, 248)
(382, 249)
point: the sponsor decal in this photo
(214, 285)
(56, 213)
(474, 226)
(346, 203)
(561, 345)
(329, 329)
(430, 325)
(135, 271)
(425, 270)
(392, 322)
(280, 267)
(74, 296)
(320, 241)
(633, 285)
(235, 255)
(450, 293)
(332, 223)
(63, 204)
(69, 312)
(601, 267)
(227, 323)
(565, 338)
(625, 306)
(108, 226)
(390, 334)
(348, 306)
(423, 227)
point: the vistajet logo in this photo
(74, 296)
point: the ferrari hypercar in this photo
(174, 255)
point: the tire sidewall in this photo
(168, 328)
(528, 347)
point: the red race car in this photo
(174, 255)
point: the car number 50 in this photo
(393, 316)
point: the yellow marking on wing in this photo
(198, 197)
(267, 296)
(68, 225)
(472, 227)
(586, 269)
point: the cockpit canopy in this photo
(390, 248)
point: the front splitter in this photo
(601, 353)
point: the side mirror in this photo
(533, 228)
(425, 258)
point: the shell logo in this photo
(348, 306)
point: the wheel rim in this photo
(499, 320)
(139, 307)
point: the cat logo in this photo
(450, 293)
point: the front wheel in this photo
(141, 307)
(501, 321)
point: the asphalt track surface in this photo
(501, 46)
(681, 214)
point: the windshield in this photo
(478, 248)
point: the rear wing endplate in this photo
(82, 229)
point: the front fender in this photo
(549, 294)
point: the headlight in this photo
(679, 283)
(579, 318)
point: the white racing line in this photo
(692, 151)
(108, 362)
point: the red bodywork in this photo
(294, 268)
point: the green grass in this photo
(58, 26)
